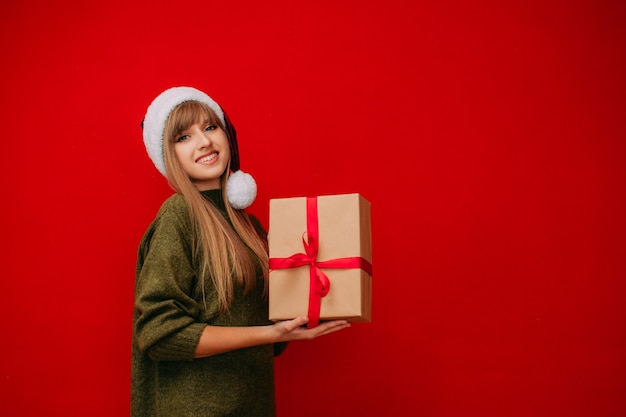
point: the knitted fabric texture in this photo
(169, 318)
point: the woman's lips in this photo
(208, 159)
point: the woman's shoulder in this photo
(174, 204)
(173, 210)
(172, 217)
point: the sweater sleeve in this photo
(166, 311)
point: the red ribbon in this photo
(319, 284)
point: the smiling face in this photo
(195, 139)
(203, 152)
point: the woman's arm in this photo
(216, 339)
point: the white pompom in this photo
(240, 190)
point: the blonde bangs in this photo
(187, 114)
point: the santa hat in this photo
(241, 187)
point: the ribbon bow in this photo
(319, 284)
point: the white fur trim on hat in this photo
(158, 112)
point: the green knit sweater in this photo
(169, 317)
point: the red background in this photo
(489, 139)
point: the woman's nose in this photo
(204, 138)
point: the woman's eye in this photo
(210, 127)
(182, 138)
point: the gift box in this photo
(320, 258)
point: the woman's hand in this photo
(289, 330)
(217, 339)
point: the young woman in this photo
(202, 341)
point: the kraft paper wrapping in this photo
(344, 231)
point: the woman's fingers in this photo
(331, 326)
(294, 330)
(294, 324)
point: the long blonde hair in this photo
(222, 252)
